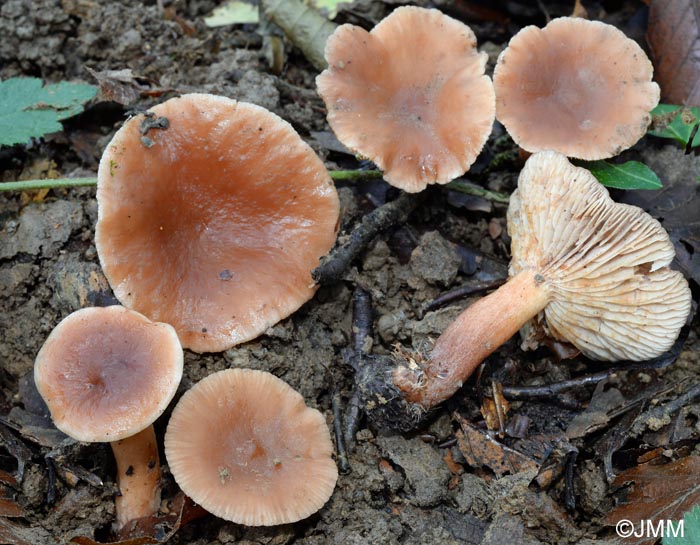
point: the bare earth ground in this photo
(401, 488)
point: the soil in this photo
(413, 488)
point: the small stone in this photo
(425, 470)
(77, 284)
(11, 278)
(43, 229)
(435, 260)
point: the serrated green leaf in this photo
(676, 123)
(233, 12)
(691, 530)
(629, 175)
(28, 109)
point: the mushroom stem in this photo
(475, 334)
(138, 476)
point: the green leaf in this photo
(629, 175)
(28, 109)
(233, 12)
(691, 530)
(676, 123)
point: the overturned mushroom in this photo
(106, 374)
(594, 272)
(215, 222)
(243, 445)
(411, 95)
(578, 87)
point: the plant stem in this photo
(337, 175)
(478, 191)
(352, 175)
(29, 185)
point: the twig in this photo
(663, 411)
(551, 390)
(343, 465)
(462, 291)
(361, 323)
(569, 491)
(382, 218)
(361, 331)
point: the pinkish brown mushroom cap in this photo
(411, 95)
(578, 87)
(216, 227)
(244, 446)
(108, 373)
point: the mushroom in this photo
(243, 445)
(578, 87)
(212, 215)
(106, 375)
(595, 273)
(411, 95)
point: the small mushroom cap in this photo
(216, 227)
(244, 446)
(612, 294)
(411, 95)
(107, 373)
(579, 87)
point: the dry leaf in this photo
(657, 492)
(676, 205)
(12, 533)
(125, 87)
(579, 10)
(674, 37)
(495, 408)
(479, 449)
(154, 530)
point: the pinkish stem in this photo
(475, 334)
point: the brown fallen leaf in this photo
(674, 37)
(154, 530)
(495, 408)
(479, 449)
(656, 492)
(125, 87)
(13, 533)
(676, 205)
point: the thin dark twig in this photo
(360, 344)
(51, 480)
(550, 390)
(353, 416)
(392, 213)
(463, 291)
(569, 494)
(663, 411)
(343, 464)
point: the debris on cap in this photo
(214, 223)
(243, 445)
(578, 87)
(411, 95)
